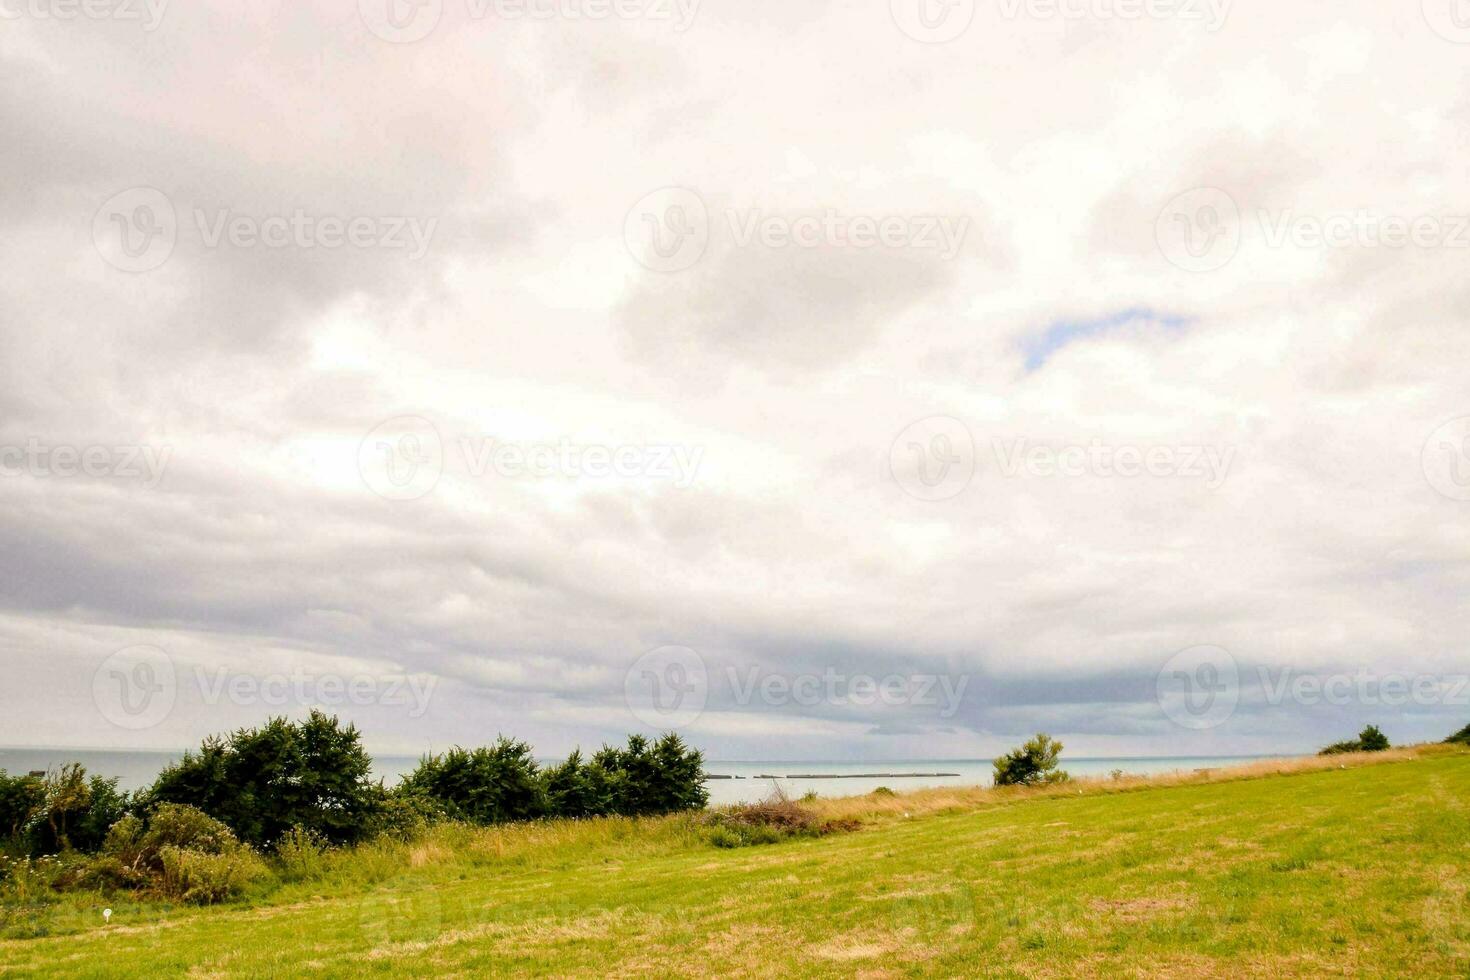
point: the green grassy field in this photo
(1356, 871)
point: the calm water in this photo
(137, 769)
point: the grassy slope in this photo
(1356, 871)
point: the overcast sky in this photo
(822, 379)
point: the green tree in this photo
(261, 782)
(497, 784)
(21, 798)
(1033, 764)
(1462, 737)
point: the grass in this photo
(1346, 866)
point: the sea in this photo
(729, 781)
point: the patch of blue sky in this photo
(1039, 348)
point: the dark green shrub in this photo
(1369, 739)
(1033, 764)
(1462, 737)
(577, 788)
(262, 782)
(21, 798)
(490, 785)
(644, 779)
(404, 815)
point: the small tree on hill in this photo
(1033, 764)
(1462, 737)
(1370, 739)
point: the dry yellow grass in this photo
(948, 800)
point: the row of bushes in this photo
(294, 788)
(503, 783)
(1370, 739)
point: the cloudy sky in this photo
(823, 379)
